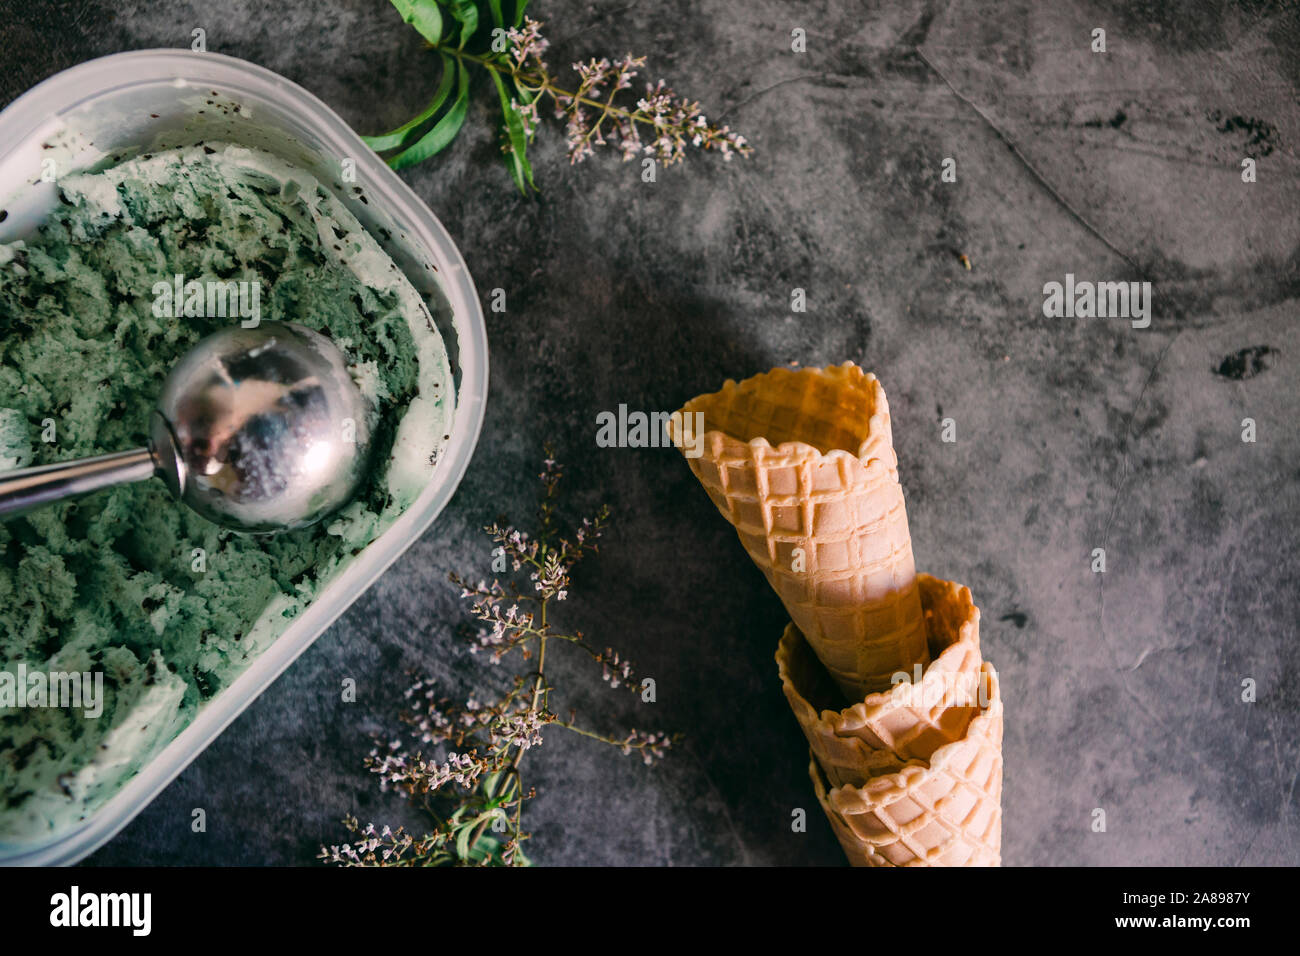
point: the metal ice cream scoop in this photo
(258, 429)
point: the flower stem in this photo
(547, 86)
(588, 733)
(519, 753)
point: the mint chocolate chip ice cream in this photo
(169, 607)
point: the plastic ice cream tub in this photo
(132, 103)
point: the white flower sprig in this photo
(473, 791)
(601, 109)
(593, 117)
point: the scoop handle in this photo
(28, 488)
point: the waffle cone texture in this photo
(913, 776)
(802, 464)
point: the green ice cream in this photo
(167, 606)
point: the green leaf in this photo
(517, 158)
(486, 848)
(443, 132)
(462, 841)
(495, 6)
(403, 133)
(465, 13)
(424, 15)
(463, 851)
(519, 12)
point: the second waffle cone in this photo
(911, 721)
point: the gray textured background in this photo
(1122, 690)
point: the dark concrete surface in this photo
(1122, 690)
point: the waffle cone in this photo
(946, 811)
(802, 464)
(911, 721)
